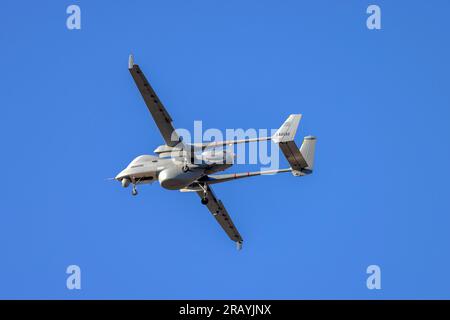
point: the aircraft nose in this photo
(121, 175)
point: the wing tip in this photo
(130, 61)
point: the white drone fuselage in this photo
(173, 171)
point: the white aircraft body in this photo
(191, 167)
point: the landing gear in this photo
(204, 200)
(134, 191)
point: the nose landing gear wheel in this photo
(204, 201)
(134, 191)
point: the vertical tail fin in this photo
(307, 150)
(288, 130)
(301, 160)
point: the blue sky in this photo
(378, 101)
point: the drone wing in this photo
(216, 207)
(154, 105)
